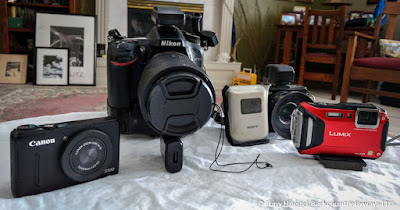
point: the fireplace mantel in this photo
(217, 18)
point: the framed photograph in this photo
(299, 17)
(300, 9)
(13, 68)
(355, 15)
(288, 19)
(367, 15)
(52, 66)
(78, 34)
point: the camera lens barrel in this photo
(87, 155)
(281, 106)
(176, 97)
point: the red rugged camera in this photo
(345, 129)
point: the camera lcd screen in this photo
(367, 118)
(250, 106)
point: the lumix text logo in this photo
(341, 134)
(42, 142)
(170, 43)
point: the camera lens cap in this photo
(176, 96)
(87, 155)
(179, 104)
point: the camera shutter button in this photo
(125, 46)
(49, 126)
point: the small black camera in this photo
(283, 97)
(54, 156)
(157, 84)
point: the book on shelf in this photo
(21, 17)
(50, 2)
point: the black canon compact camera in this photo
(253, 111)
(157, 84)
(54, 156)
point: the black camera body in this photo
(283, 97)
(54, 156)
(157, 84)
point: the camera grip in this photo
(120, 62)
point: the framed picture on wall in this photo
(13, 68)
(367, 15)
(51, 66)
(355, 15)
(288, 19)
(299, 17)
(78, 34)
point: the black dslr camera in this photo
(54, 156)
(157, 84)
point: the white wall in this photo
(118, 15)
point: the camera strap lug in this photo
(114, 35)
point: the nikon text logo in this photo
(342, 134)
(42, 142)
(170, 43)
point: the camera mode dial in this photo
(26, 127)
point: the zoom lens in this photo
(283, 105)
(176, 97)
(286, 111)
(87, 155)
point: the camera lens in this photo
(286, 111)
(87, 155)
(367, 118)
(282, 105)
(176, 97)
